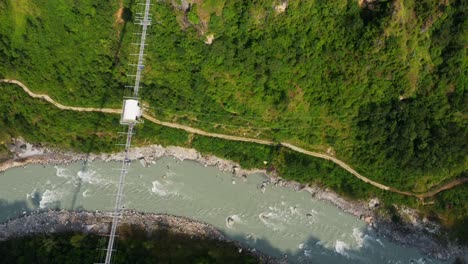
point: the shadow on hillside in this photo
(127, 16)
(312, 251)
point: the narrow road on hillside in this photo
(58, 105)
(197, 131)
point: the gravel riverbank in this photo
(98, 222)
(417, 232)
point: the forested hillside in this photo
(380, 84)
(135, 246)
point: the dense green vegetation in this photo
(451, 207)
(383, 85)
(134, 246)
(64, 49)
(383, 88)
(38, 123)
(448, 207)
(81, 131)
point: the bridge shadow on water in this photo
(108, 91)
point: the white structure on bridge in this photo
(131, 112)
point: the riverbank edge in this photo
(415, 232)
(97, 222)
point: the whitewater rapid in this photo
(276, 220)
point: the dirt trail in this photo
(60, 106)
(444, 187)
(118, 15)
(197, 131)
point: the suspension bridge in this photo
(131, 114)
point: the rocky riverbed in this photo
(417, 232)
(98, 222)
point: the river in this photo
(279, 221)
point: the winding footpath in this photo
(192, 130)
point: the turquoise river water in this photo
(279, 221)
